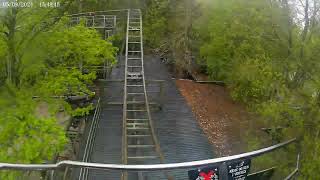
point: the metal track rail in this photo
(140, 144)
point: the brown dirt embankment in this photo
(224, 121)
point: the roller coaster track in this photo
(141, 152)
(139, 143)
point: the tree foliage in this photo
(26, 136)
(266, 51)
(42, 56)
(156, 23)
(69, 47)
(19, 27)
(266, 54)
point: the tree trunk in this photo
(80, 6)
(286, 8)
(301, 73)
(305, 29)
(188, 25)
(12, 58)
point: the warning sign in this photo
(206, 173)
(238, 170)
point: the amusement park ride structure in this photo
(141, 151)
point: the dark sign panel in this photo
(238, 170)
(206, 173)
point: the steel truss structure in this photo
(139, 143)
(104, 23)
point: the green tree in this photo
(44, 57)
(19, 26)
(77, 46)
(268, 59)
(25, 135)
(155, 22)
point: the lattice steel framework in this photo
(140, 143)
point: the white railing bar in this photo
(90, 140)
(94, 12)
(153, 167)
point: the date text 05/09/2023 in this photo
(28, 4)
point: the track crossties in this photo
(139, 141)
(132, 131)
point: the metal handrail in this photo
(295, 171)
(95, 12)
(89, 144)
(154, 167)
(262, 171)
(104, 21)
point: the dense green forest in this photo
(266, 51)
(42, 56)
